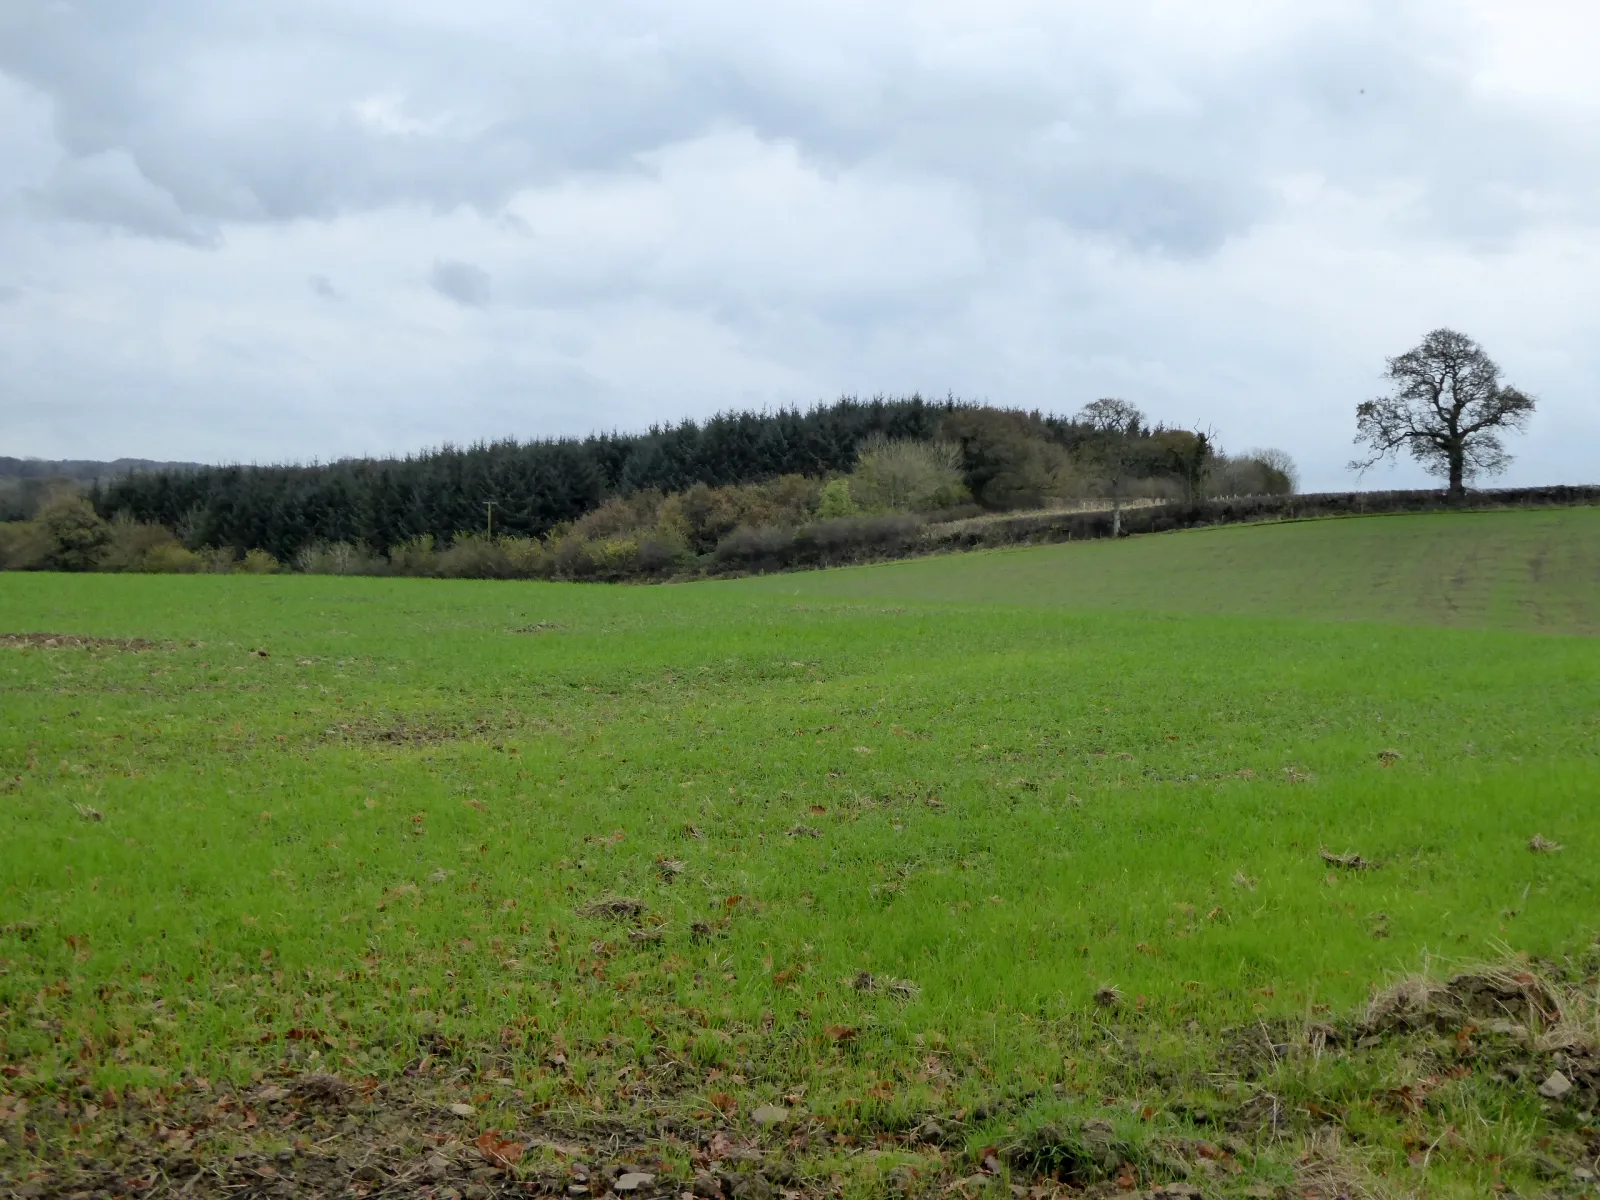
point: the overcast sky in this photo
(315, 228)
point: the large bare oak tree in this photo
(1448, 410)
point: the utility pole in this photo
(489, 504)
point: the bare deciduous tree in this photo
(1447, 410)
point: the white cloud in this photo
(1229, 213)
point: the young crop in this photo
(863, 881)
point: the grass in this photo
(1536, 570)
(893, 829)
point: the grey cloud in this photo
(336, 107)
(463, 282)
(109, 189)
(322, 286)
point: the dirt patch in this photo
(312, 1134)
(73, 641)
(321, 1135)
(424, 731)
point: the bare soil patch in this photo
(421, 731)
(73, 641)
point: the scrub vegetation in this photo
(1131, 866)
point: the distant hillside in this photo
(84, 470)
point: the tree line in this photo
(997, 459)
(524, 488)
(616, 505)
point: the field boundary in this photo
(1033, 529)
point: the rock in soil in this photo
(1556, 1087)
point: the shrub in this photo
(24, 546)
(78, 536)
(844, 539)
(704, 514)
(700, 517)
(475, 556)
(528, 557)
(217, 560)
(620, 514)
(907, 476)
(479, 556)
(134, 545)
(657, 555)
(415, 556)
(858, 537)
(755, 548)
(148, 548)
(571, 559)
(615, 557)
(836, 501)
(170, 558)
(335, 558)
(258, 562)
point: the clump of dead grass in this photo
(1507, 998)
(614, 908)
(1108, 996)
(1330, 1169)
(900, 989)
(1348, 861)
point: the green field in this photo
(1535, 570)
(892, 829)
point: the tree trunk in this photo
(1116, 516)
(1458, 488)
